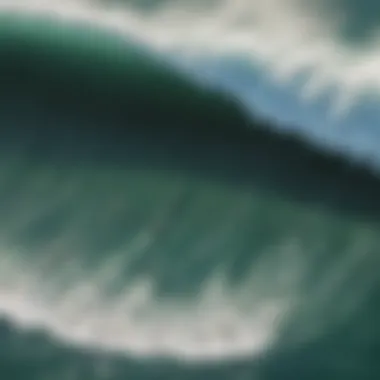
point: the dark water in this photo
(126, 190)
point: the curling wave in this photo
(150, 216)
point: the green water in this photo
(114, 171)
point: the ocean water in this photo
(189, 189)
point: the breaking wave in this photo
(189, 185)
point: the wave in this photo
(147, 215)
(289, 51)
(135, 147)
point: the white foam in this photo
(211, 327)
(286, 35)
(217, 325)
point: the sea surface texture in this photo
(189, 190)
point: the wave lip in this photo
(288, 36)
(333, 105)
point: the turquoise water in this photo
(155, 225)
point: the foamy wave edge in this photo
(288, 37)
(215, 326)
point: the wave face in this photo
(189, 190)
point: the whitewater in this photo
(150, 260)
(295, 48)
